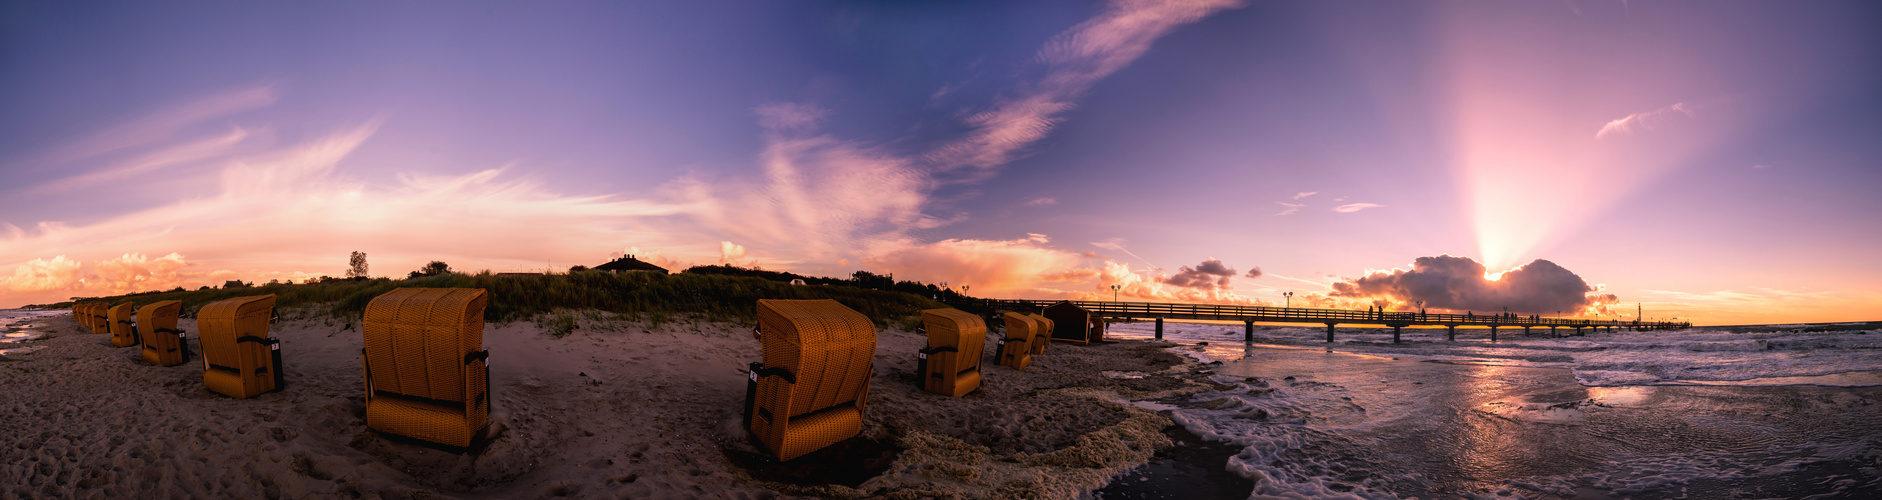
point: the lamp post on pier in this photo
(1289, 301)
(1114, 294)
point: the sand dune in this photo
(612, 410)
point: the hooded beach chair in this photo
(427, 372)
(1043, 336)
(101, 319)
(1016, 346)
(163, 341)
(811, 388)
(123, 329)
(951, 363)
(239, 360)
(91, 316)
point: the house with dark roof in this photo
(629, 264)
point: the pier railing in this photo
(1268, 314)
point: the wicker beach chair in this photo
(1042, 337)
(1016, 347)
(91, 316)
(951, 363)
(239, 360)
(101, 319)
(120, 322)
(427, 372)
(811, 388)
(163, 341)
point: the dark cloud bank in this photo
(1458, 283)
(1210, 274)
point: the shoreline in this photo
(611, 409)
(1325, 423)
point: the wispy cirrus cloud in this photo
(1305, 194)
(1355, 207)
(196, 151)
(1644, 120)
(1291, 208)
(1075, 60)
(156, 126)
(1042, 201)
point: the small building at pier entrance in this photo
(1073, 324)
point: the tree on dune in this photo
(435, 268)
(358, 266)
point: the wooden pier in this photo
(1249, 315)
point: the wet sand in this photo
(613, 410)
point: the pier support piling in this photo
(1248, 330)
(1395, 331)
(1330, 332)
(1159, 328)
(1493, 333)
(1450, 333)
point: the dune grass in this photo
(637, 296)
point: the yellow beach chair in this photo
(811, 389)
(93, 318)
(427, 372)
(1042, 337)
(1016, 347)
(123, 328)
(163, 341)
(239, 360)
(101, 319)
(951, 363)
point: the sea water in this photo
(19, 329)
(1789, 411)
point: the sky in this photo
(1715, 161)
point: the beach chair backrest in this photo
(156, 316)
(101, 318)
(961, 330)
(119, 320)
(221, 324)
(156, 328)
(829, 348)
(417, 341)
(1020, 327)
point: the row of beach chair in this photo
(426, 371)
(427, 375)
(811, 388)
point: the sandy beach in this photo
(612, 410)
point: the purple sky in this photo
(1711, 159)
